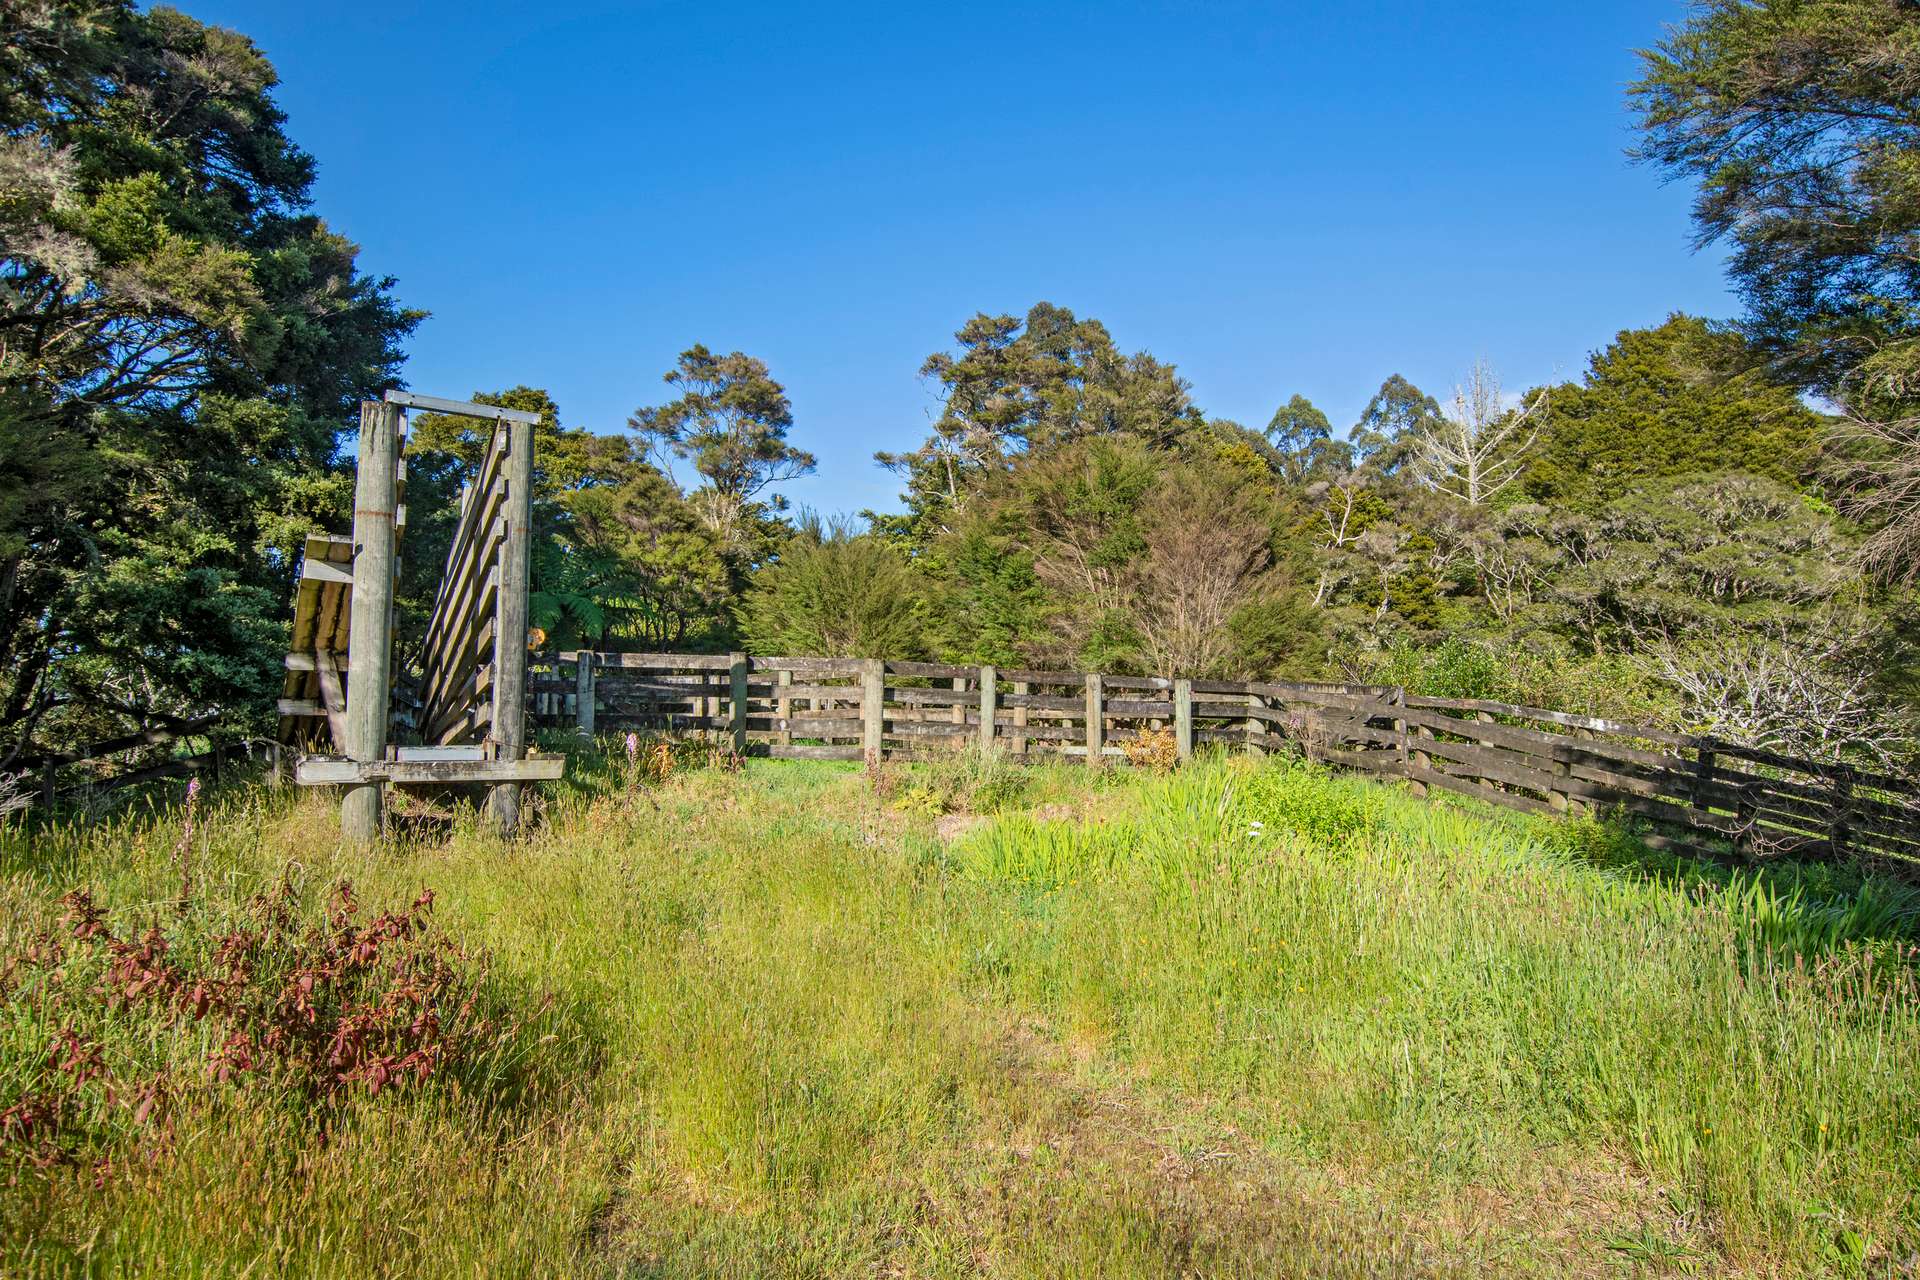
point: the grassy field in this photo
(967, 1020)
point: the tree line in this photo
(1714, 527)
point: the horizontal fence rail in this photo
(1696, 794)
(45, 785)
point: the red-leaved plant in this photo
(321, 1012)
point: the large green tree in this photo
(730, 421)
(1799, 123)
(1028, 385)
(183, 342)
(838, 592)
(620, 556)
(1303, 438)
(1661, 402)
(1107, 553)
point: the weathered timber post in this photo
(783, 708)
(583, 694)
(1579, 806)
(737, 700)
(1842, 827)
(370, 625)
(959, 713)
(276, 768)
(1183, 718)
(1020, 690)
(1703, 761)
(510, 629)
(873, 710)
(1256, 729)
(989, 706)
(1096, 720)
(1399, 701)
(1558, 798)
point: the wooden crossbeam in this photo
(459, 408)
(321, 771)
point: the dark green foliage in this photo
(1303, 439)
(1714, 555)
(835, 593)
(1797, 120)
(621, 557)
(1682, 399)
(1034, 384)
(987, 604)
(1278, 636)
(731, 421)
(185, 343)
(1398, 410)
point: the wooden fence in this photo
(1694, 794)
(43, 781)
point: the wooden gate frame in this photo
(472, 712)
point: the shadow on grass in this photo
(1793, 907)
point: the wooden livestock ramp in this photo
(470, 716)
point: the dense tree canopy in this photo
(731, 421)
(183, 340)
(835, 592)
(1661, 402)
(1678, 534)
(1032, 384)
(1799, 122)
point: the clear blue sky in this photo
(1280, 198)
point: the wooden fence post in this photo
(737, 699)
(1419, 761)
(1842, 828)
(989, 706)
(783, 707)
(583, 694)
(1399, 700)
(1096, 720)
(873, 710)
(1702, 778)
(959, 714)
(370, 625)
(510, 624)
(1557, 797)
(1183, 718)
(1020, 689)
(1256, 729)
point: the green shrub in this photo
(972, 780)
(1307, 799)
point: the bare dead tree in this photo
(1341, 497)
(1477, 446)
(1812, 694)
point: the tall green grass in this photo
(1236, 1020)
(1426, 987)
